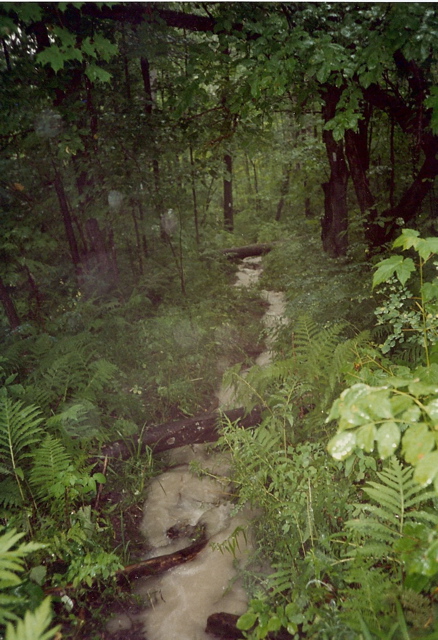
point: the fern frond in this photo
(367, 526)
(373, 550)
(9, 493)
(80, 421)
(51, 461)
(19, 430)
(34, 626)
(386, 521)
(12, 560)
(101, 373)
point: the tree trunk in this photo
(334, 225)
(228, 193)
(138, 241)
(9, 307)
(149, 104)
(68, 223)
(283, 191)
(413, 119)
(194, 194)
(410, 203)
(101, 255)
(357, 155)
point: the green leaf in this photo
(417, 442)
(38, 574)
(402, 267)
(365, 437)
(34, 626)
(274, 624)
(52, 56)
(419, 388)
(426, 469)
(427, 247)
(432, 410)
(96, 73)
(342, 445)
(430, 291)
(408, 238)
(388, 439)
(246, 621)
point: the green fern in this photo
(19, 431)
(11, 565)
(51, 464)
(10, 496)
(304, 384)
(65, 370)
(397, 497)
(34, 626)
(80, 421)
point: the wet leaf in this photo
(432, 410)
(418, 388)
(365, 437)
(417, 442)
(246, 621)
(427, 469)
(342, 445)
(388, 439)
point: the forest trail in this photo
(179, 500)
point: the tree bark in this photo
(160, 564)
(283, 191)
(414, 120)
(228, 193)
(170, 435)
(146, 568)
(238, 253)
(358, 163)
(9, 307)
(149, 104)
(334, 225)
(68, 223)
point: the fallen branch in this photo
(155, 566)
(170, 435)
(146, 568)
(238, 253)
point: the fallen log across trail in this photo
(178, 433)
(249, 250)
(145, 568)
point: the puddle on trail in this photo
(180, 600)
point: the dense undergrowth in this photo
(349, 537)
(349, 523)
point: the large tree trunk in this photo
(334, 225)
(410, 203)
(414, 120)
(68, 223)
(358, 160)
